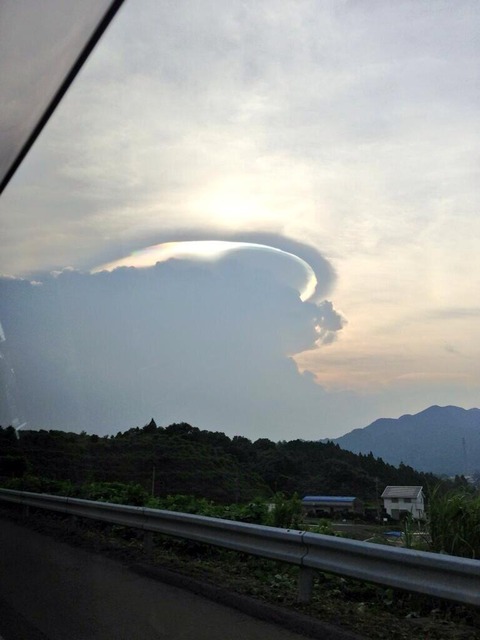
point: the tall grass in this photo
(454, 523)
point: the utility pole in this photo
(465, 458)
(377, 498)
(153, 480)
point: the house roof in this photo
(401, 492)
(345, 499)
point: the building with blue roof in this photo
(331, 505)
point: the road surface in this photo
(51, 591)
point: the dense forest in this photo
(181, 459)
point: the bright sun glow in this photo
(205, 250)
(237, 201)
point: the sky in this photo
(259, 218)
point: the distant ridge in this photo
(441, 440)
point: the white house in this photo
(400, 500)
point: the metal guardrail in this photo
(433, 574)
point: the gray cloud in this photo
(206, 343)
(329, 322)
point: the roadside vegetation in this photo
(454, 523)
(181, 468)
(181, 459)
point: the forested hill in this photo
(181, 459)
(443, 440)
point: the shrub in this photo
(454, 523)
(286, 512)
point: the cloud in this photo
(455, 313)
(433, 376)
(344, 133)
(302, 275)
(209, 343)
(318, 122)
(329, 322)
(312, 257)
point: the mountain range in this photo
(441, 440)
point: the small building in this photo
(399, 501)
(331, 505)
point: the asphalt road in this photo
(51, 591)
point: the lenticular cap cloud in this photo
(304, 279)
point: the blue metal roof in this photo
(328, 499)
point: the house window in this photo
(394, 499)
(407, 499)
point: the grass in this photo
(454, 523)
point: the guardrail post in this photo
(148, 544)
(305, 585)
